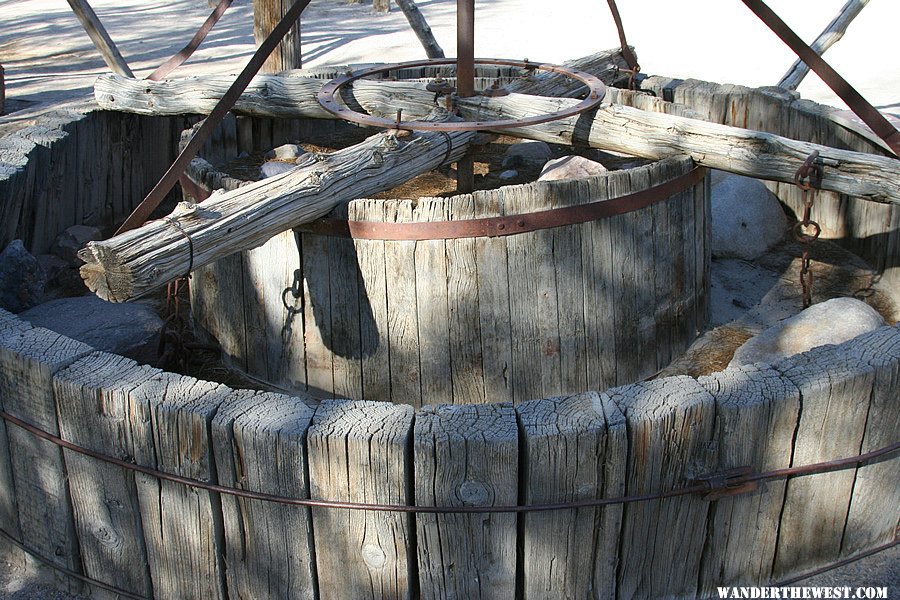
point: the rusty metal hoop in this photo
(596, 93)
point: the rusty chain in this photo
(808, 177)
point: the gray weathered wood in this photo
(466, 456)
(104, 44)
(612, 127)
(358, 453)
(875, 504)
(182, 525)
(259, 445)
(287, 55)
(137, 262)
(420, 27)
(835, 392)
(670, 426)
(573, 448)
(829, 36)
(756, 416)
(28, 360)
(94, 412)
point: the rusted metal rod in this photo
(465, 82)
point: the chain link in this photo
(808, 177)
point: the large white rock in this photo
(747, 219)
(832, 322)
(129, 328)
(570, 167)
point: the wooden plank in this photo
(432, 306)
(532, 304)
(28, 361)
(216, 291)
(343, 271)
(626, 279)
(402, 324)
(670, 425)
(599, 295)
(466, 368)
(567, 445)
(494, 303)
(259, 445)
(874, 506)
(182, 525)
(666, 266)
(104, 44)
(466, 455)
(742, 531)
(374, 338)
(569, 272)
(317, 316)
(358, 452)
(94, 413)
(835, 391)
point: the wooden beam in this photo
(834, 32)
(420, 27)
(137, 262)
(101, 39)
(612, 127)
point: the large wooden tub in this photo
(561, 309)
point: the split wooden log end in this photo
(110, 282)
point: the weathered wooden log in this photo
(104, 44)
(135, 263)
(830, 36)
(420, 27)
(611, 127)
(656, 135)
(266, 15)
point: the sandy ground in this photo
(47, 57)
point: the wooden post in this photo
(2, 91)
(831, 35)
(101, 39)
(421, 28)
(267, 14)
(359, 452)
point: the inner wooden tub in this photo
(502, 318)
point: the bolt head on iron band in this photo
(326, 98)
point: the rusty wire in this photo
(807, 178)
(718, 483)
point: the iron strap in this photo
(506, 225)
(627, 52)
(185, 53)
(859, 105)
(719, 484)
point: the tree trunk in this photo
(267, 14)
(834, 32)
(421, 28)
(135, 263)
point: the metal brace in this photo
(721, 484)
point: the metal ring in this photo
(597, 91)
(804, 237)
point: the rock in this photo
(129, 328)
(509, 175)
(747, 219)
(73, 239)
(570, 167)
(63, 279)
(832, 322)
(527, 155)
(286, 152)
(22, 279)
(273, 168)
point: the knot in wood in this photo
(374, 556)
(474, 493)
